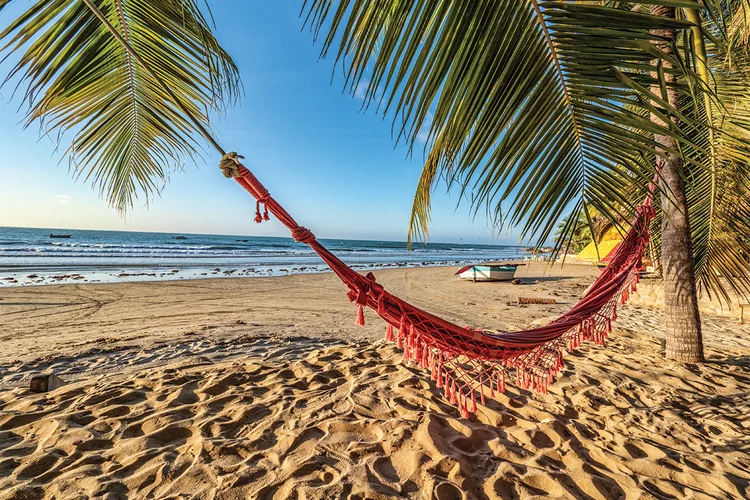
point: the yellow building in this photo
(608, 243)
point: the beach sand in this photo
(265, 388)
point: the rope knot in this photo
(230, 164)
(302, 235)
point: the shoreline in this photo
(55, 274)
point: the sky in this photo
(333, 166)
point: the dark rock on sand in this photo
(45, 382)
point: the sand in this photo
(265, 388)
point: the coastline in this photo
(28, 256)
(36, 275)
(265, 386)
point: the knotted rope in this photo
(230, 164)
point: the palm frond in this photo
(127, 132)
(718, 188)
(532, 103)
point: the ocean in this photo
(30, 256)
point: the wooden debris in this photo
(535, 300)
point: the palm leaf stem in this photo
(206, 134)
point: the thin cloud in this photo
(424, 131)
(63, 199)
(361, 91)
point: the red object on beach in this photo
(465, 268)
(611, 254)
(470, 364)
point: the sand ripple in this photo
(354, 422)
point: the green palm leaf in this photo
(128, 133)
(717, 184)
(537, 107)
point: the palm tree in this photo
(538, 109)
(546, 108)
(575, 240)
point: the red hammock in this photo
(469, 363)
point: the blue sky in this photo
(331, 165)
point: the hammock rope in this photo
(470, 364)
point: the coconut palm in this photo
(578, 238)
(535, 109)
(538, 109)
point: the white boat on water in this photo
(488, 272)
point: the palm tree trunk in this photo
(684, 340)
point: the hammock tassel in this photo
(258, 217)
(464, 407)
(389, 333)
(360, 315)
(399, 339)
(401, 333)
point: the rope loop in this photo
(230, 164)
(302, 235)
(263, 193)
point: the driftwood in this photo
(534, 300)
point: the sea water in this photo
(107, 256)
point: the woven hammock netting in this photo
(470, 364)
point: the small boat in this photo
(51, 235)
(180, 237)
(488, 272)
